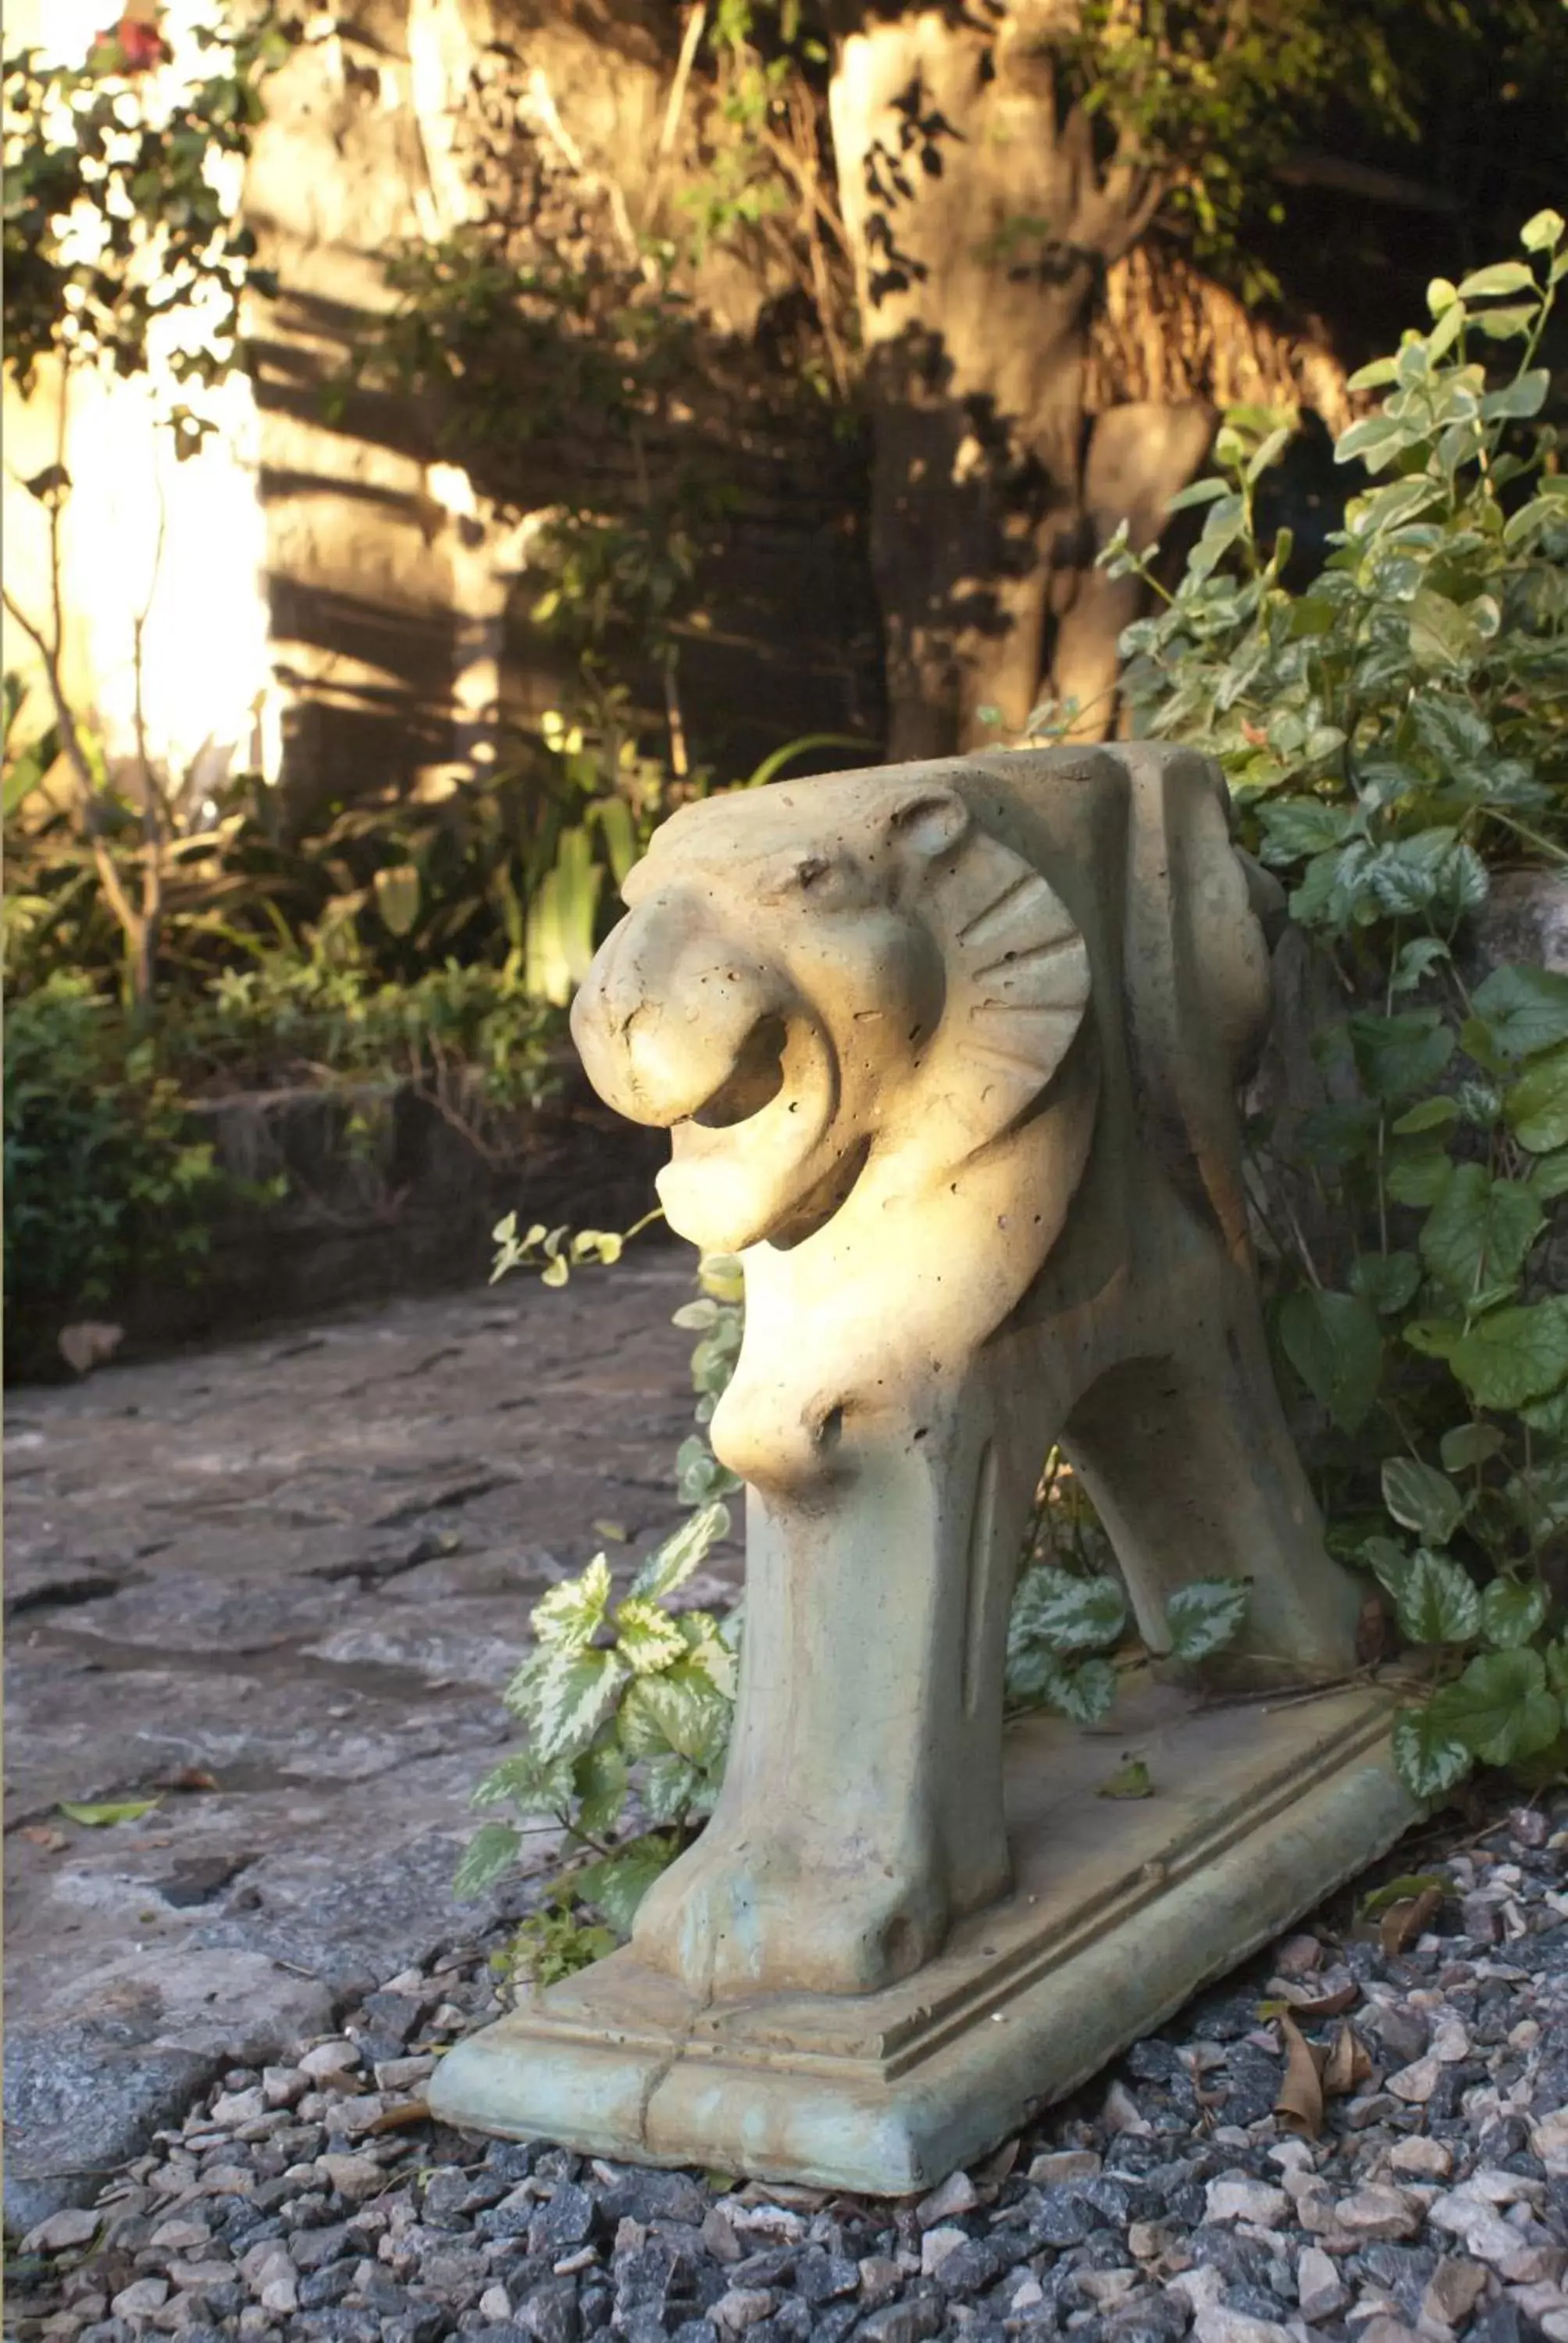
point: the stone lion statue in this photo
(949, 1054)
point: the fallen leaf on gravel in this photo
(1313, 2076)
(1403, 1922)
(1398, 1891)
(129, 1810)
(1330, 2005)
(399, 2118)
(1299, 2104)
(1327, 2004)
(1347, 2066)
(995, 2169)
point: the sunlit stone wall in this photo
(175, 549)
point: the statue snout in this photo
(666, 1015)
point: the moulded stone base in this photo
(1120, 1910)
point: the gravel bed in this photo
(317, 2202)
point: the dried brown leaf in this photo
(40, 1835)
(1345, 2066)
(1299, 2104)
(996, 2169)
(400, 2119)
(1371, 1634)
(1403, 1922)
(1327, 2004)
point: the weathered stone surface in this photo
(293, 1577)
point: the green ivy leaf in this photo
(1332, 1342)
(528, 1783)
(679, 1710)
(1084, 1692)
(600, 1779)
(1442, 634)
(1502, 277)
(1512, 1613)
(1419, 1178)
(574, 1693)
(1515, 1356)
(1432, 1338)
(669, 1784)
(1200, 492)
(1428, 1114)
(1429, 1756)
(1069, 1615)
(1388, 1562)
(1468, 1444)
(1201, 1618)
(1537, 1105)
(104, 1818)
(1480, 1230)
(1402, 1054)
(669, 1566)
(1436, 1602)
(1542, 232)
(1524, 1010)
(1525, 396)
(616, 1885)
(494, 1847)
(1500, 1708)
(572, 1613)
(1387, 1280)
(1294, 828)
(1549, 1175)
(647, 1637)
(1422, 1499)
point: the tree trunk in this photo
(982, 227)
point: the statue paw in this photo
(743, 1915)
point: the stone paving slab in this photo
(300, 1567)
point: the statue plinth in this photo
(950, 1055)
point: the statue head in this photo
(818, 972)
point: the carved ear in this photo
(928, 821)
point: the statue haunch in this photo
(950, 1054)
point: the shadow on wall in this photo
(366, 563)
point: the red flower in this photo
(134, 45)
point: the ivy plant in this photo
(1392, 732)
(626, 1706)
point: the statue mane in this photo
(1018, 987)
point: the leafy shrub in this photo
(102, 1175)
(619, 1699)
(1390, 733)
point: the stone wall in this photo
(334, 600)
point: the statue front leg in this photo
(861, 1810)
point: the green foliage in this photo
(1390, 731)
(115, 215)
(1219, 101)
(626, 1706)
(102, 1175)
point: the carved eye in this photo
(819, 878)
